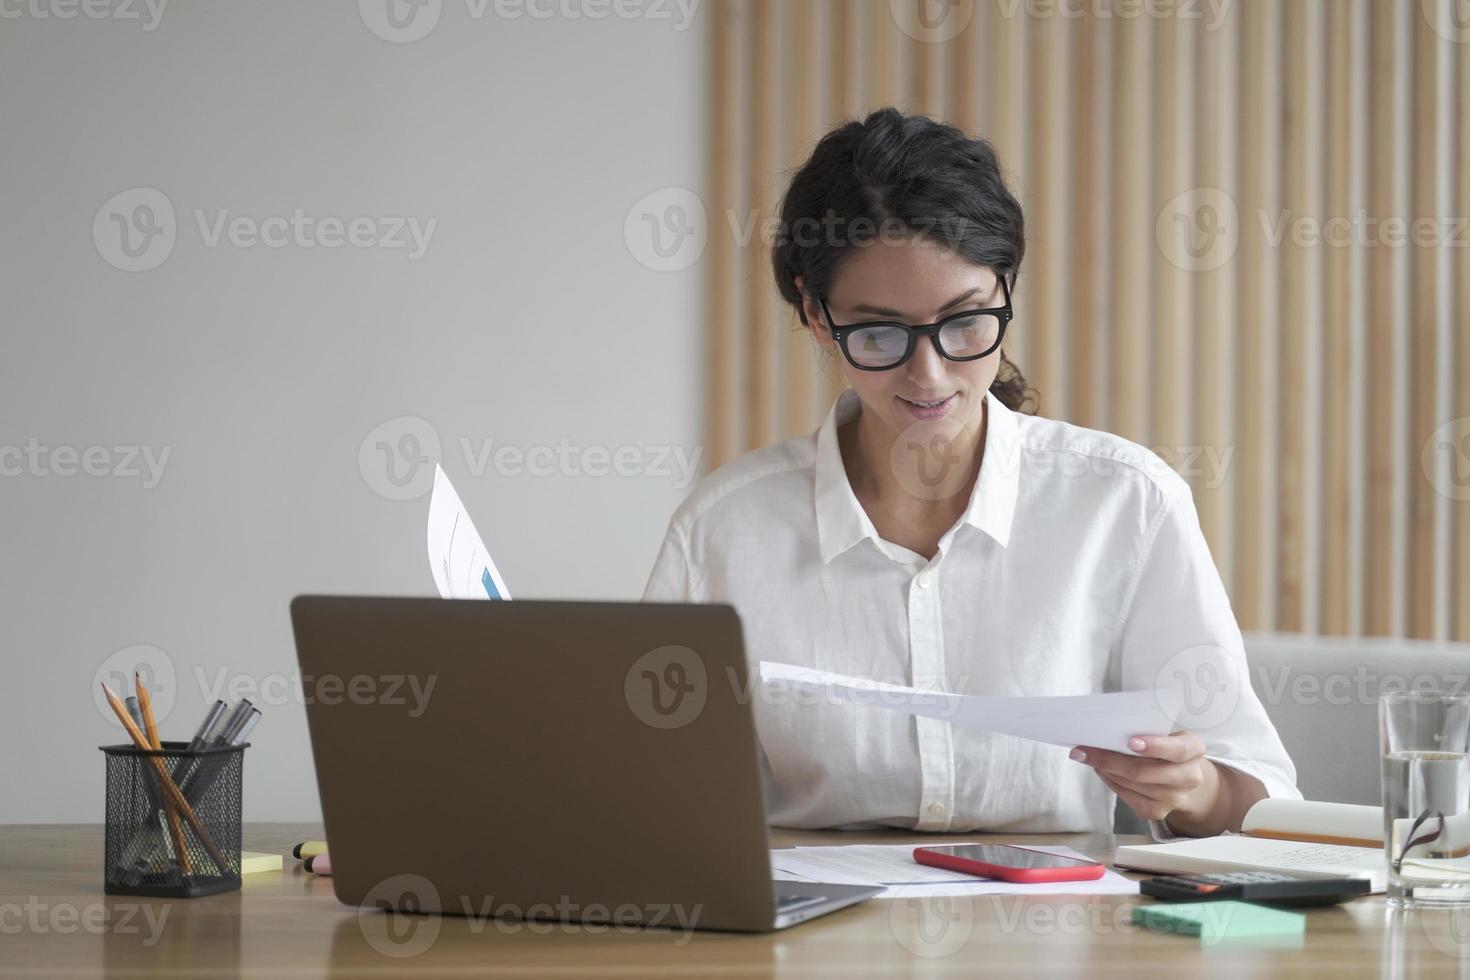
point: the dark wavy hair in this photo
(898, 171)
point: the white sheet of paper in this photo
(458, 558)
(780, 875)
(893, 865)
(1106, 721)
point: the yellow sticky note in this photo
(253, 861)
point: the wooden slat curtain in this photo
(1247, 249)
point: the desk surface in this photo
(55, 921)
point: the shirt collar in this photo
(841, 520)
(993, 503)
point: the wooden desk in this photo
(55, 921)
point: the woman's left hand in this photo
(1170, 775)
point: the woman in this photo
(934, 533)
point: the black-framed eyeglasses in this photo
(882, 345)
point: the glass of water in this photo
(1426, 797)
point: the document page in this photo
(458, 558)
(893, 865)
(1105, 721)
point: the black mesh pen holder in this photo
(173, 820)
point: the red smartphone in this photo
(1005, 862)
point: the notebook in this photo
(1298, 837)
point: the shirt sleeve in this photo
(673, 578)
(1179, 637)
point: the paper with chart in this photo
(893, 866)
(458, 558)
(1105, 721)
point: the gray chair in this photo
(1322, 696)
(1321, 693)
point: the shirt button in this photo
(924, 579)
(937, 809)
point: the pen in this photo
(133, 711)
(207, 726)
(247, 728)
(219, 733)
(232, 724)
(200, 739)
(205, 779)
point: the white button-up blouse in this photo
(1078, 567)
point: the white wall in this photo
(263, 370)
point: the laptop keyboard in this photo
(788, 903)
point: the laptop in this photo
(571, 761)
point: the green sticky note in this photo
(1217, 921)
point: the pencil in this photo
(170, 788)
(150, 730)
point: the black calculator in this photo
(1254, 886)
